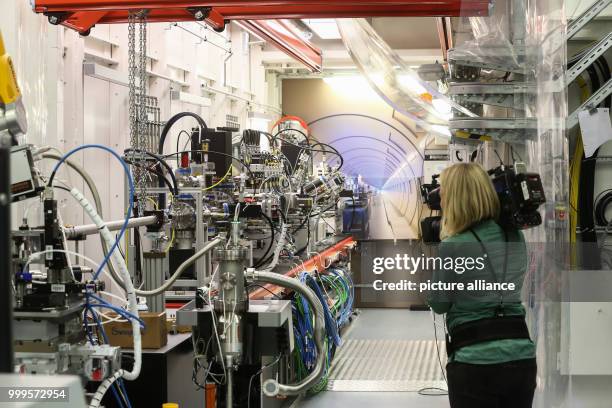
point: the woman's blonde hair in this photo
(468, 196)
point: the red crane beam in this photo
(42, 6)
(283, 35)
(82, 15)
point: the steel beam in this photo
(456, 6)
(82, 15)
(283, 35)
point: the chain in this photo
(132, 77)
(137, 102)
(142, 111)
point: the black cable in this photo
(438, 349)
(156, 172)
(602, 66)
(335, 151)
(178, 138)
(171, 122)
(310, 215)
(602, 202)
(306, 139)
(161, 161)
(591, 258)
(256, 374)
(264, 288)
(512, 153)
(246, 166)
(162, 139)
(61, 187)
(137, 259)
(269, 220)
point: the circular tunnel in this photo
(386, 157)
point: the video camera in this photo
(431, 226)
(431, 193)
(520, 195)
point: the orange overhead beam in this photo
(82, 15)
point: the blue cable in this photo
(124, 391)
(123, 312)
(331, 326)
(118, 310)
(132, 193)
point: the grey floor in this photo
(390, 324)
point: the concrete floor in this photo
(388, 324)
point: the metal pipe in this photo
(271, 387)
(229, 397)
(90, 229)
(209, 246)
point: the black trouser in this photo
(506, 385)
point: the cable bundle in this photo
(340, 280)
(336, 293)
(251, 137)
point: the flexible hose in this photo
(97, 202)
(129, 287)
(171, 122)
(279, 247)
(103, 387)
(182, 269)
(271, 387)
(164, 134)
(91, 184)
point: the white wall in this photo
(66, 108)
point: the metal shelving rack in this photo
(518, 96)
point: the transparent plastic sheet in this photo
(490, 40)
(548, 154)
(394, 80)
(524, 41)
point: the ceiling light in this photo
(325, 28)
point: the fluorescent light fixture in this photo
(324, 28)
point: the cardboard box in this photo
(173, 328)
(154, 335)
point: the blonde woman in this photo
(491, 357)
